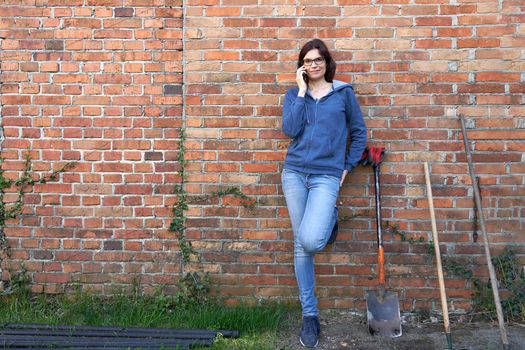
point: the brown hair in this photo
(323, 51)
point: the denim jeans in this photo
(311, 205)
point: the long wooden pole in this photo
(492, 272)
(435, 238)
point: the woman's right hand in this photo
(299, 78)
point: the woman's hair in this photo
(323, 51)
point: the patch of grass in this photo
(252, 342)
(257, 324)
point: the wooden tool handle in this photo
(490, 266)
(435, 238)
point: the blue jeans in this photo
(311, 201)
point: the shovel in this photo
(382, 307)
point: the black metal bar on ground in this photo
(121, 329)
(142, 346)
(96, 339)
(37, 336)
(233, 333)
(104, 348)
(90, 343)
(94, 333)
(131, 330)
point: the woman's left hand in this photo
(345, 172)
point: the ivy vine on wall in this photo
(11, 209)
(194, 286)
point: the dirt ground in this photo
(345, 330)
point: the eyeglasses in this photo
(318, 61)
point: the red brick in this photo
(240, 22)
(433, 44)
(477, 43)
(481, 88)
(454, 32)
(498, 76)
(278, 22)
(434, 21)
(477, 19)
(221, 55)
(223, 11)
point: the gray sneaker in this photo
(309, 336)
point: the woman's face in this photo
(315, 65)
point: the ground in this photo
(345, 330)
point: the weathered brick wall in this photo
(415, 66)
(97, 82)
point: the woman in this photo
(318, 115)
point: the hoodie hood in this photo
(338, 85)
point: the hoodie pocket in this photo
(295, 150)
(294, 145)
(322, 149)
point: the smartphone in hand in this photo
(305, 77)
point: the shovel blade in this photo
(382, 309)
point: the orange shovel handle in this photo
(381, 264)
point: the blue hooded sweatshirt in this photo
(319, 130)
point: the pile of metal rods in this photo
(42, 336)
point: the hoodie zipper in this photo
(314, 123)
(312, 133)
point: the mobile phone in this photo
(305, 77)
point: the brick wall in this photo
(97, 82)
(102, 84)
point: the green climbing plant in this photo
(457, 268)
(19, 284)
(194, 286)
(178, 222)
(233, 191)
(12, 209)
(394, 229)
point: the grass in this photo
(258, 324)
